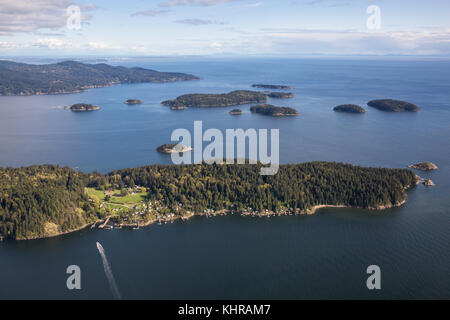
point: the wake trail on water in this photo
(108, 272)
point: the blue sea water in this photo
(322, 256)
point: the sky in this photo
(224, 27)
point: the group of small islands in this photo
(86, 107)
(425, 166)
(241, 97)
(388, 105)
(233, 98)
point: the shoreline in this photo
(85, 226)
(223, 212)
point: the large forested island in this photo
(70, 76)
(45, 201)
(271, 110)
(391, 105)
(233, 98)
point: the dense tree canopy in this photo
(41, 201)
(299, 186)
(72, 76)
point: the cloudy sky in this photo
(231, 27)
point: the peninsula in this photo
(46, 200)
(70, 76)
(391, 105)
(349, 108)
(271, 110)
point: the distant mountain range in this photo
(70, 76)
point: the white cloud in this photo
(173, 3)
(31, 16)
(149, 13)
(50, 43)
(200, 22)
(103, 45)
(351, 42)
(58, 44)
(255, 4)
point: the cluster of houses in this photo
(283, 211)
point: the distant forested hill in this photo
(70, 76)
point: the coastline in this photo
(87, 88)
(58, 234)
(223, 212)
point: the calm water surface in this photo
(323, 256)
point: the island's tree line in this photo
(238, 187)
(32, 197)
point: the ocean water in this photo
(322, 256)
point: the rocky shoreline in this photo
(190, 215)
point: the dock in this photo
(102, 226)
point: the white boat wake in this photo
(108, 272)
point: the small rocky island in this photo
(274, 111)
(424, 166)
(236, 112)
(349, 108)
(234, 98)
(391, 105)
(133, 101)
(83, 107)
(173, 148)
(272, 87)
(280, 95)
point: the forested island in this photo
(236, 112)
(272, 87)
(280, 95)
(271, 110)
(71, 76)
(133, 101)
(198, 100)
(391, 105)
(349, 108)
(44, 201)
(83, 107)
